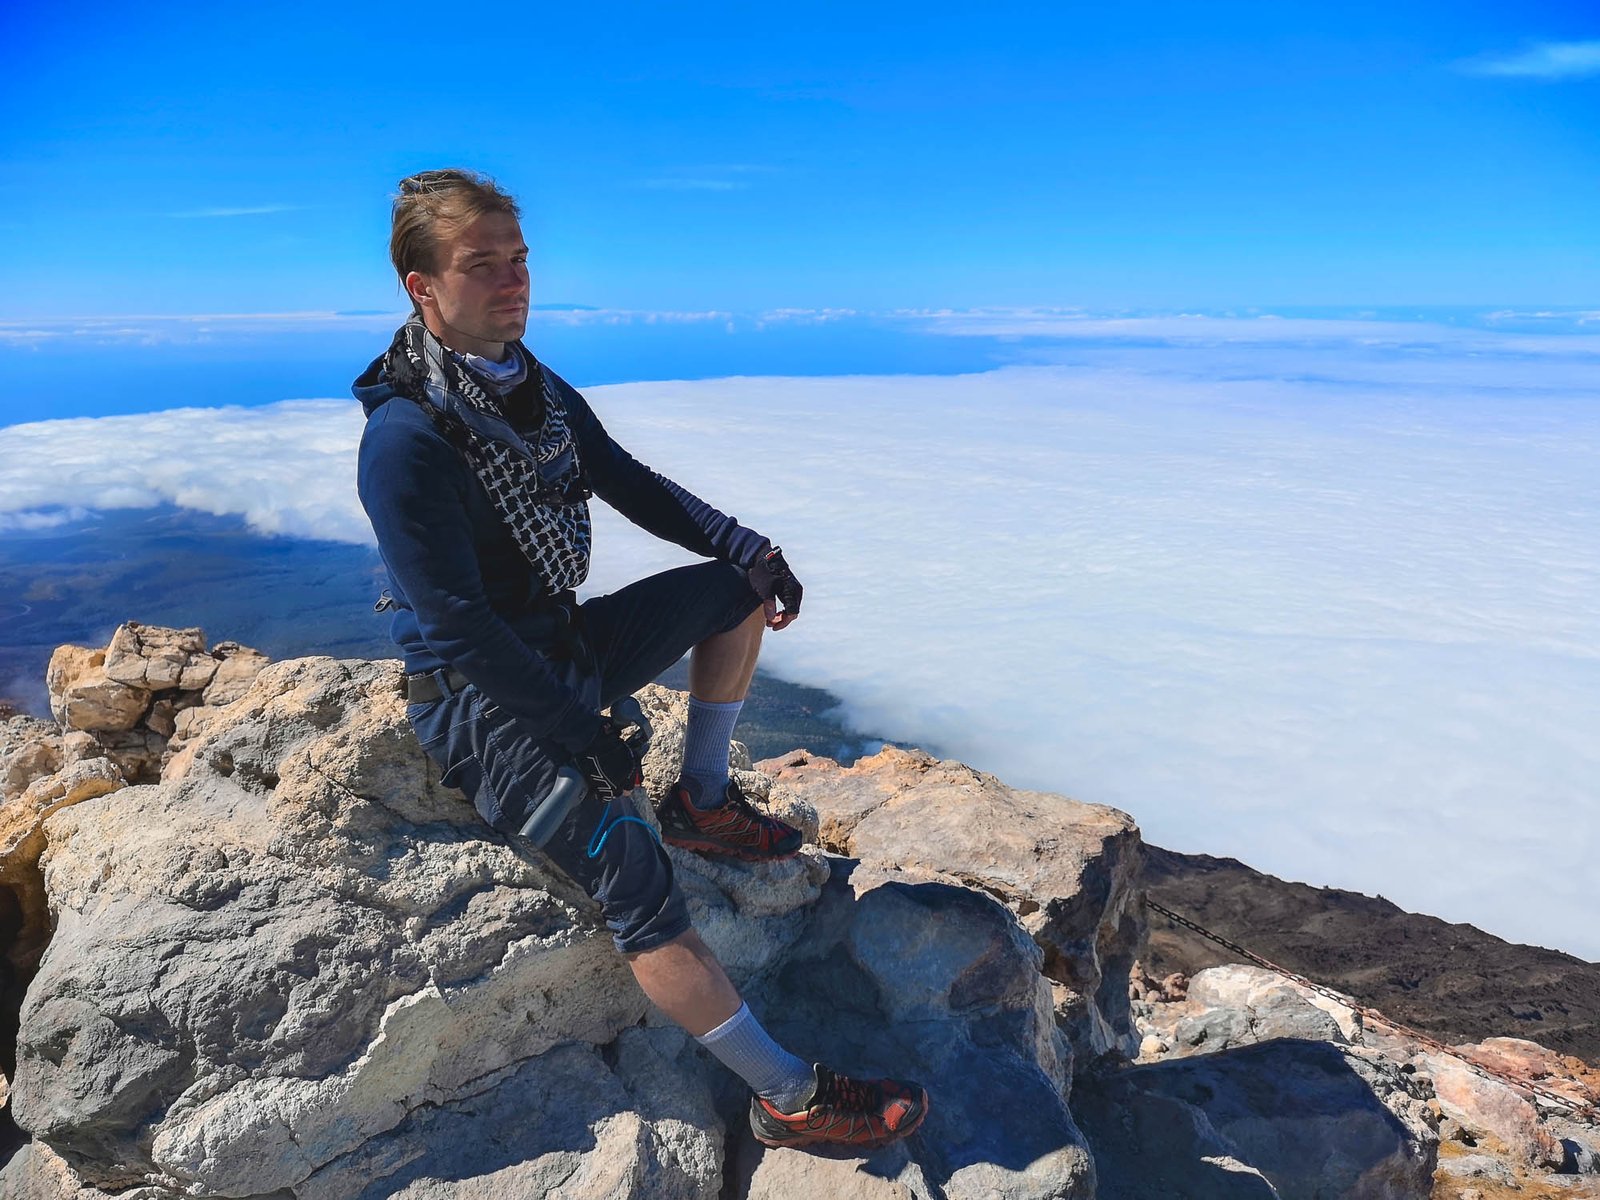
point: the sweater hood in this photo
(372, 387)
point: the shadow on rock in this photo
(939, 984)
(1289, 1118)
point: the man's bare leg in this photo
(721, 667)
(684, 980)
(687, 983)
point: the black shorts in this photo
(506, 768)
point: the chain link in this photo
(1575, 1108)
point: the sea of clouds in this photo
(1322, 596)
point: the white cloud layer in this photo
(183, 328)
(1003, 324)
(1329, 606)
(287, 468)
(1544, 60)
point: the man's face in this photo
(476, 299)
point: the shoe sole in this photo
(800, 1140)
(719, 850)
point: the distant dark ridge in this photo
(1455, 982)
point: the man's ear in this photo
(419, 287)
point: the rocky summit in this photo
(253, 947)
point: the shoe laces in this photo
(846, 1094)
(737, 813)
(742, 803)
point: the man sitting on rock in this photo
(475, 469)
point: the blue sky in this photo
(189, 159)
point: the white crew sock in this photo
(746, 1049)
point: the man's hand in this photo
(774, 581)
(609, 763)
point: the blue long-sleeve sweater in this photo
(465, 595)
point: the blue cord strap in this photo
(602, 831)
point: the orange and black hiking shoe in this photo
(866, 1113)
(733, 829)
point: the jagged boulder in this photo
(896, 974)
(154, 658)
(291, 949)
(117, 709)
(1313, 1119)
(1068, 871)
(1230, 1006)
(29, 748)
(298, 965)
(137, 700)
(1483, 1105)
(83, 696)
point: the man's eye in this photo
(520, 259)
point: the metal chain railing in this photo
(1575, 1108)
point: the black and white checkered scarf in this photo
(535, 484)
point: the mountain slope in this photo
(1453, 981)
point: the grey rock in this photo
(300, 965)
(1067, 871)
(1581, 1143)
(1482, 1167)
(297, 965)
(1230, 1006)
(562, 1125)
(1314, 1119)
(924, 980)
(1147, 1143)
(265, 964)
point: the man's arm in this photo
(652, 501)
(411, 483)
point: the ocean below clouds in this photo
(1320, 595)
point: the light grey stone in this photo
(277, 957)
(299, 965)
(1067, 871)
(1478, 1167)
(1313, 1118)
(921, 979)
(562, 1126)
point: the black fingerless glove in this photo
(771, 577)
(610, 764)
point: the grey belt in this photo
(425, 689)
